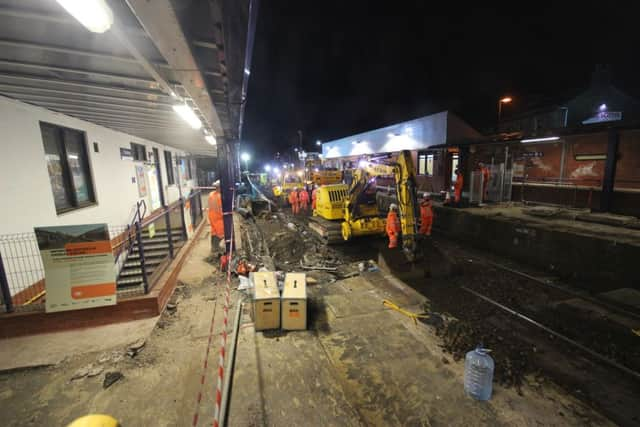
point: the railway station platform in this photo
(361, 363)
(594, 252)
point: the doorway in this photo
(156, 161)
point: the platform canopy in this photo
(416, 134)
(155, 55)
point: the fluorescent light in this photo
(187, 114)
(550, 138)
(73, 156)
(210, 139)
(95, 15)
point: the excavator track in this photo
(328, 231)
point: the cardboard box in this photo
(266, 301)
(294, 302)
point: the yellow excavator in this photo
(345, 211)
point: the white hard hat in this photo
(393, 206)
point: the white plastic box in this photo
(294, 302)
(266, 301)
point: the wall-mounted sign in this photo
(604, 116)
(529, 155)
(78, 266)
(126, 154)
(142, 182)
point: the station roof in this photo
(124, 78)
(417, 134)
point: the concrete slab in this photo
(626, 296)
(52, 348)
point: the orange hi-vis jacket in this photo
(293, 198)
(215, 214)
(303, 198)
(393, 228)
(314, 197)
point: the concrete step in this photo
(147, 261)
(148, 254)
(164, 238)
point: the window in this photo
(425, 164)
(168, 163)
(68, 166)
(139, 152)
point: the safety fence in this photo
(142, 250)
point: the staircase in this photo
(156, 250)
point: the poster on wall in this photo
(187, 218)
(142, 182)
(78, 266)
(154, 190)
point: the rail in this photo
(556, 334)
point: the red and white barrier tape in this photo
(204, 368)
(223, 336)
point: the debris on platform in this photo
(81, 373)
(111, 378)
(95, 371)
(136, 347)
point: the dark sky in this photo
(334, 68)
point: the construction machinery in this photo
(316, 173)
(343, 212)
(286, 184)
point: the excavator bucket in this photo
(427, 261)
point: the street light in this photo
(318, 143)
(245, 158)
(505, 100)
(267, 168)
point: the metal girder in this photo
(106, 114)
(20, 89)
(77, 101)
(159, 20)
(149, 83)
(57, 18)
(96, 86)
(79, 52)
(206, 44)
(159, 113)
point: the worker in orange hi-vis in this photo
(426, 215)
(293, 200)
(457, 186)
(215, 218)
(314, 197)
(485, 180)
(303, 201)
(393, 226)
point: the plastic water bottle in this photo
(478, 374)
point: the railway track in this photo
(540, 330)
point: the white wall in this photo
(25, 192)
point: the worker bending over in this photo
(457, 186)
(426, 215)
(393, 226)
(303, 201)
(293, 200)
(215, 218)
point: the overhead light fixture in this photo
(95, 15)
(550, 138)
(603, 107)
(187, 114)
(210, 139)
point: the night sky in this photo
(333, 69)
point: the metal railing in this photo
(22, 276)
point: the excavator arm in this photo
(404, 175)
